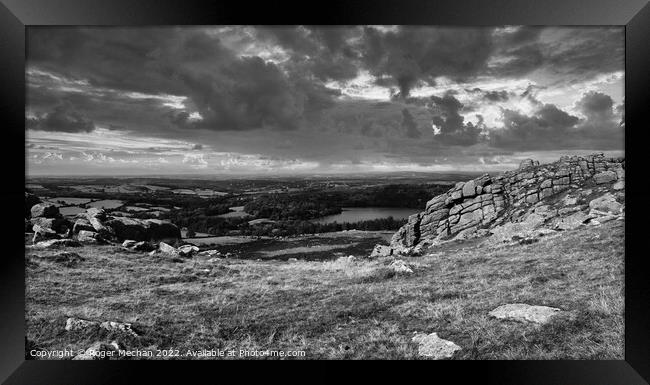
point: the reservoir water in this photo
(358, 214)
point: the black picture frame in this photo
(16, 15)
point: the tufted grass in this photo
(341, 309)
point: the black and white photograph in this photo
(324, 192)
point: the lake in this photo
(358, 214)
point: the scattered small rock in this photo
(75, 324)
(524, 313)
(167, 249)
(210, 253)
(129, 243)
(401, 267)
(435, 347)
(381, 251)
(572, 221)
(89, 237)
(118, 326)
(187, 250)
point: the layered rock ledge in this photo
(489, 201)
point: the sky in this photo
(294, 100)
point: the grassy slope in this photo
(344, 309)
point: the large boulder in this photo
(128, 228)
(58, 225)
(43, 233)
(143, 230)
(89, 237)
(30, 201)
(44, 210)
(162, 230)
(605, 177)
(96, 218)
(605, 205)
(82, 224)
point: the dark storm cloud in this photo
(452, 126)
(549, 127)
(230, 92)
(588, 51)
(322, 51)
(596, 106)
(63, 119)
(291, 83)
(602, 117)
(582, 52)
(412, 54)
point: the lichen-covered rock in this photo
(159, 230)
(76, 324)
(42, 233)
(381, 251)
(572, 221)
(56, 243)
(123, 327)
(522, 312)
(400, 267)
(44, 210)
(82, 224)
(187, 250)
(605, 205)
(89, 237)
(96, 218)
(432, 346)
(167, 248)
(124, 228)
(489, 201)
(605, 177)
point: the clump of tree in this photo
(291, 207)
